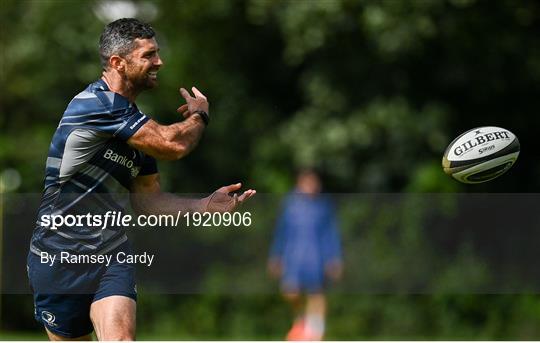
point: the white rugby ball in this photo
(481, 154)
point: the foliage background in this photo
(371, 92)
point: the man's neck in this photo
(118, 84)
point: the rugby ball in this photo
(481, 154)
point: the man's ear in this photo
(117, 63)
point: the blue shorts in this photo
(308, 281)
(64, 292)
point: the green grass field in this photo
(22, 336)
(39, 336)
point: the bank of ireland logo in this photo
(123, 161)
(135, 171)
(48, 317)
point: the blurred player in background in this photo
(306, 251)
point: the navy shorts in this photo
(64, 292)
(308, 281)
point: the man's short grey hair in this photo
(118, 38)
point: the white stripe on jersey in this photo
(82, 122)
(53, 162)
(65, 235)
(62, 210)
(85, 95)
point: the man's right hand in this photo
(172, 142)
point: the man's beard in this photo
(143, 83)
(140, 82)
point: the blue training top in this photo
(89, 169)
(306, 237)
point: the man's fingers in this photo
(246, 195)
(198, 93)
(222, 201)
(182, 108)
(185, 94)
(230, 188)
(184, 111)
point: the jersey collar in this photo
(102, 84)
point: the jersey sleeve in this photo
(119, 117)
(98, 109)
(129, 123)
(148, 166)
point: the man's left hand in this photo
(222, 201)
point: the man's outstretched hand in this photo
(222, 201)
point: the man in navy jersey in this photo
(101, 158)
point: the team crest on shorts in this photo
(49, 318)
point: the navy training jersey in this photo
(89, 170)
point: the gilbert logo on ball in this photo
(481, 154)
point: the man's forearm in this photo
(168, 142)
(166, 203)
(186, 133)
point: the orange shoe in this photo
(297, 331)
